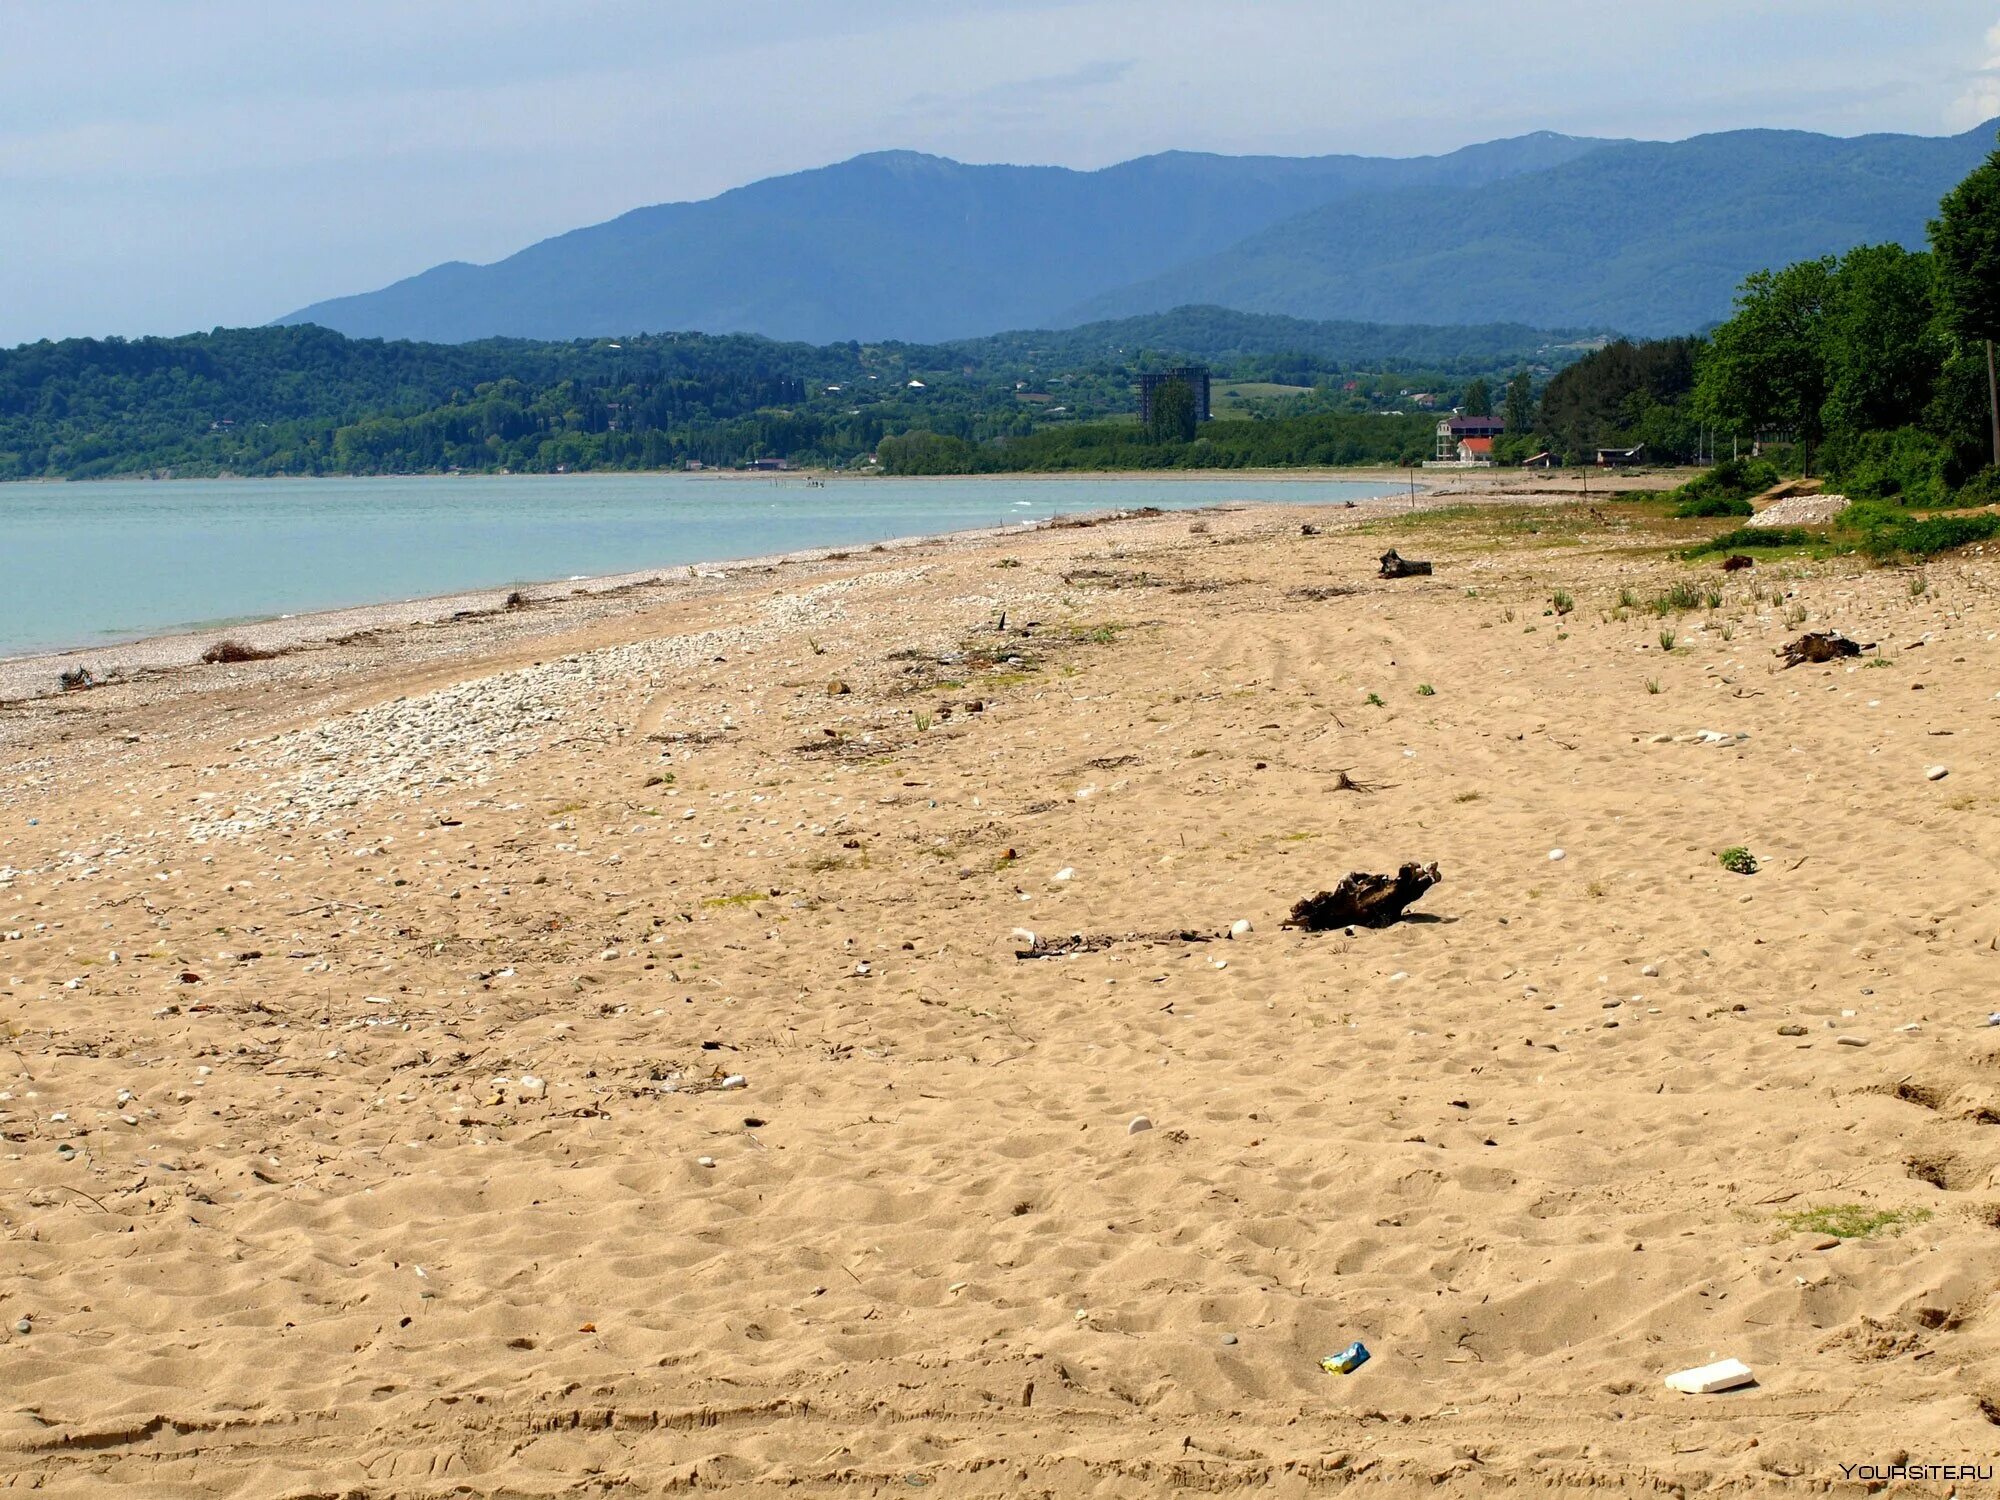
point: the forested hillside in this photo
(304, 400)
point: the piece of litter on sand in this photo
(1723, 1375)
(1139, 1123)
(1350, 1359)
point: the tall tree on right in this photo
(1966, 239)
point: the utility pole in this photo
(1993, 402)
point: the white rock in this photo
(1065, 873)
(1555, 854)
(1936, 773)
(704, 1161)
(1139, 1123)
(1651, 971)
(532, 1087)
(736, 1081)
(1240, 927)
(1706, 1380)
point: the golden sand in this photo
(367, 1020)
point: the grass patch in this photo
(741, 898)
(1748, 538)
(1927, 536)
(1738, 861)
(1852, 1221)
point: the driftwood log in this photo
(1364, 900)
(1402, 567)
(1818, 646)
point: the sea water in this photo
(98, 562)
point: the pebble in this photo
(736, 1081)
(704, 1161)
(1227, 1338)
(24, 1326)
(1139, 1123)
(1240, 927)
(1936, 773)
(1555, 854)
(1852, 1041)
(1791, 1028)
(1651, 971)
(1065, 873)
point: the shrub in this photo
(1906, 466)
(1753, 536)
(1702, 506)
(1982, 488)
(1732, 479)
(1738, 861)
(1931, 535)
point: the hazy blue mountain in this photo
(1226, 337)
(897, 245)
(1647, 237)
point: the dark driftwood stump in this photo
(1736, 562)
(1819, 646)
(1364, 900)
(1402, 567)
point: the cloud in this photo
(1981, 100)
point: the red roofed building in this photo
(1454, 430)
(1476, 450)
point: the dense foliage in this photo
(1319, 438)
(304, 400)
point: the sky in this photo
(171, 165)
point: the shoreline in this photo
(32, 675)
(287, 633)
(1317, 474)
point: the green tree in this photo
(1520, 403)
(1881, 340)
(1173, 417)
(1766, 366)
(1479, 398)
(1966, 238)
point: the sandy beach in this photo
(587, 1049)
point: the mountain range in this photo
(1543, 229)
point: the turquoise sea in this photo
(93, 563)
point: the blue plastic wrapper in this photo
(1350, 1359)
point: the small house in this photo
(1476, 452)
(1619, 458)
(1543, 460)
(1454, 430)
